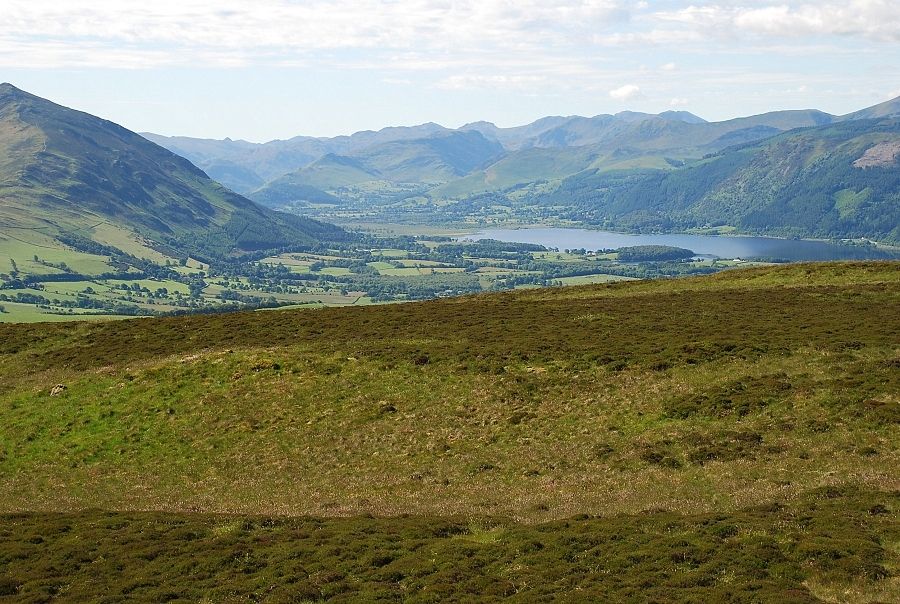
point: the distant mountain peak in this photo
(478, 124)
(630, 116)
(683, 116)
(672, 116)
(886, 109)
(9, 93)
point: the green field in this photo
(725, 438)
(298, 263)
(335, 271)
(154, 284)
(128, 242)
(21, 246)
(413, 271)
(391, 253)
(15, 312)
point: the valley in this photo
(85, 286)
(468, 302)
(549, 411)
(795, 174)
(98, 222)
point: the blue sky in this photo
(266, 69)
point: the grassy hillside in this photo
(665, 133)
(328, 172)
(64, 172)
(885, 109)
(839, 180)
(286, 190)
(733, 434)
(517, 136)
(527, 165)
(438, 158)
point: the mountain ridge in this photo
(63, 170)
(247, 167)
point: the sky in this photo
(272, 69)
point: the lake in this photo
(718, 246)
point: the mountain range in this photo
(604, 141)
(799, 173)
(67, 173)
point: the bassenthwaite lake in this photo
(719, 246)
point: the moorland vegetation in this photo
(723, 438)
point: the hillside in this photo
(517, 136)
(885, 109)
(665, 131)
(838, 181)
(67, 173)
(288, 189)
(328, 172)
(245, 167)
(435, 159)
(730, 437)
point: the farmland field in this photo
(64, 281)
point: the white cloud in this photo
(265, 30)
(654, 37)
(875, 19)
(678, 102)
(464, 82)
(628, 92)
(578, 48)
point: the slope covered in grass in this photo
(733, 435)
(64, 173)
(729, 390)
